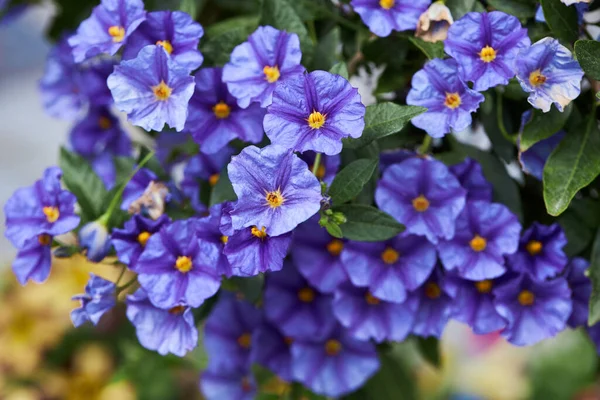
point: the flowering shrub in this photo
(297, 228)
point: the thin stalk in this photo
(316, 164)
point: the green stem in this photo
(312, 31)
(316, 164)
(124, 268)
(424, 148)
(500, 118)
(125, 286)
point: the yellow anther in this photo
(177, 310)
(387, 4)
(306, 294)
(162, 91)
(117, 33)
(166, 45)
(183, 264)
(245, 340)
(259, 233)
(224, 239)
(420, 203)
(274, 199)
(143, 238)
(478, 243)
(371, 300)
(390, 256)
(335, 247)
(272, 74)
(534, 247)
(333, 347)
(526, 298)
(536, 78)
(52, 213)
(316, 120)
(484, 286)
(487, 54)
(104, 123)
(452, 100)
(44, 239)
(221, 110)
(432, 290)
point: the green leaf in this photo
(192, 7)
(326, 51)
(222, 37)
(430, 349)
(334, 230)
(368, 224)
(382, 120)
(542, 126)
(458, 8)
(223, 190)
(521, 9)
(83, 182)
(124, 166)
(588, 55)
(431, 50)
(561, 19)
(573, 165)
(594, 274)
(340, 69)
(490, 113)
(349, 181)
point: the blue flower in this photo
(448, 100)
(470, 176)
(215, 119)
(272, 350)
(43, 208)
(177, 267)
(485, 233)
(99, 297)
(208, 229)
(130, 241)
(534, 159)
(268, 58)
(175, 31)
(486, 46)
(235, 384)
(275, 189)
(383, 16)
(94, 238)
(99, 133)
(34, 260)
(152, 89)
(315, 112)
(434, 306)
(535, 310)
(422, 194)
(549, 73)
(170, 330)
(581, 289)
(541, 252)
(389, 269)
(369, 317)
(107, 29)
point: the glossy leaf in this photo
(594, 274)
(588, 55)
(349, 181)
(340, 69)
(542, 126)
(561, 19)
(368, 224)
(431, 50)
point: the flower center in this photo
(288, 340)
(526, 298)
(316, 120)
(183, 264)
(536, 78)
(432, 290)
(478, 243)
(117, 33)
(259, 233)
(162, 91)
(371, 300)
(274, 199)
(272, 74)
(143, 238)
(484, 286)
(214, 178)
(333, 347)
(177, 310)
(221, 110)
(335, 247)
(245, 340)
(104, 123)
(487, 54)
(420, 203)
(452, 100)
(51, 213)
(390, 256)
(534, 247)
(387, 4)
(44, 239)
(166, 45)
(224, 239)
(306, 294)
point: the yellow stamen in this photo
(183, 264)
(52, 213)
(390, 256)
(335, 247)
(259, 233)
(526, 298)
(161, 91)
(143, 238)
(484, 286)
(104, 123)
(387, 4)
(306, 295)
(536, 78)
(272, 74)
(316, 120)
(177, 310)
(214, 178)
(487, 54)
(478, 243)
(117, 33)
(274, 199)
(224, 239)
(371, 300)
(333, 347)
(166, 45)
(452, 100)
(221, 110)
(421, 204)
(44, 239)
(245, 340)
(432, 291)
(534, 247)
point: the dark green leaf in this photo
(490, 113)
(309, 10)
(458, 8)
(223, 190)
(588, 55)
(80, 179)
(192, 7)
(431, 50)
(326, 51)
(430, 349)
(573, 165)
(594, 274)
(542, 126)
(382, 120)
(368, 224)
(124, 167)
(340, 69)
(223, 37)
(349, 181)
(519, 8)
(561, 19)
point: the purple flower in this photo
(268, 57)
(299, 311)
(104, 166)
(236, 384)
(136, 187)
(448, 99)
(534, 159)
(173, 148)
(177, 267)
(486, 46)
(315, 112)
(369, 317)
(391, 157)
(474, 304)
(328, 167)
(152, 89)
(541, 252)
(535, 310)
(41, 208)
(107, 29)
(391, 268)
(434, 308)
(333, 366)
(251, 251)
(384, 16)
(228, 333)
(272, 350)
(275, 189)
(34, 260)
(581, 289)
(208, 230)
(98, 133)
(485, 233)
(175, 31)
(215, 119)
(94, 238)
(316, 255)
(549, 73)
(170, 330)
(130, 241)
(470, 176)
(422, 194)
(99, 297)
